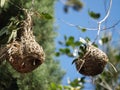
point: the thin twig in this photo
(32, 6)
(113, 67)
(112, 25)
(104, 84)
(77, 26)
(87, 28)
(101, 21)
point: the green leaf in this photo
(82, 79)
(53, 86)
(94, 44)
(60, 87)
(2, 2)
(93, 14)
(77, 43)
(70, 41)
(46, 15)
(62, 50)
(60, 42)
(71, 38)
(3, 31)
(57, 54)
(83, 29)
(105, 40)
(67, 88)
(87, 39)
(75, 83)
(67, 50)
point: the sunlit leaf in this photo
(70, 41)
(53, 86)
(2, 2)
(71, 38)
(93, 14)
(67, 88)
(75, 83)
(60, 87)
(46, 15)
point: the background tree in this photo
(48, 72)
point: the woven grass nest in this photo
(24, 53)
(92, 62)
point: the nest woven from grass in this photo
(25, 54)
(93, 61)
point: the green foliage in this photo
(46, 15)
(83, 29)
(10, 31)
(54, 86)
(43, 15)
(50, 70)
(76, 84)
(69, 42)
(93, 14)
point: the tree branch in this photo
(101, 21)
(87, 28)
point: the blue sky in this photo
(82, 18)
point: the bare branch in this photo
(77, 26)
(101, 21)
(87, 28)
(112, 25)
(108, 13)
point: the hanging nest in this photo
(24, 53)
(93, 61)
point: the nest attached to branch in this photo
(93, 61)
(25, 54)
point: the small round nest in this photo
(22, 60)
(24, 53)
(93, 61)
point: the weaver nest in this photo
(24, 53)
(92, 61)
